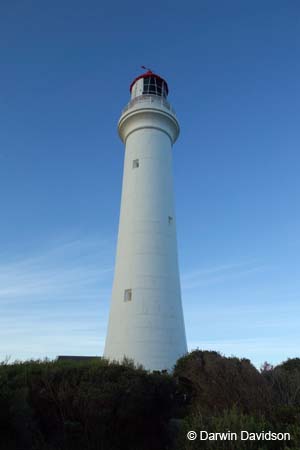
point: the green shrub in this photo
(80, 405)
(218, 383)
(97, 405)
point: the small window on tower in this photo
(170, 220)
(135, 164)
(127, 295)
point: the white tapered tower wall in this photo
(146, 319)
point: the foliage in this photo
(54, 405)
(235, 421)
(221, 383)
(97, 405)
(285, 382)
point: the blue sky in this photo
(233, 70)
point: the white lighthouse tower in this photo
(146, 319)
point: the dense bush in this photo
(96, 405)
(231, 394)
(234, 421)
(221, 383)
(285, 382)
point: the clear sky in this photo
(233, 69)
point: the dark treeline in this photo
(96, 405)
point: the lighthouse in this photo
(146, 319)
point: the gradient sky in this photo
(233, 70)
